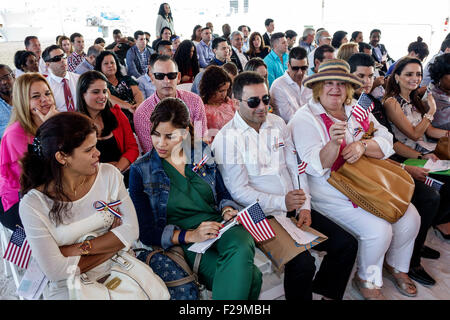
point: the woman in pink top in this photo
(215, 91)
(33, 103)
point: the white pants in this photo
(377, 238)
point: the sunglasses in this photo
(304, 68)
(253, 102)
(57, 58)
(161, 76)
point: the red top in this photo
(124, 135)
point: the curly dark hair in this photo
(213, 78)
(440, 67)
(183, 58)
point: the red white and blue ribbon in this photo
(200, 164)
(103, 206)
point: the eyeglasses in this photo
(57, 58)
(303, 68)
(161, 76)
(6, 77)
(253, 102)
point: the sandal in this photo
(366, 289)
(402, 284)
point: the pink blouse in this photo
(218, 116)
(12, 148)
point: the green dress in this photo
(227, 267)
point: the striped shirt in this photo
(143, 113)
(74, 60)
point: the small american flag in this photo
(19, 250)
(200, 164)
(254, 220)
(363, 107)
(433, 183)
(302, 167)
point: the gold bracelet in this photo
(84, 247)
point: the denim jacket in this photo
(149, 188)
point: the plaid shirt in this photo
(142, 115)
(74, 60)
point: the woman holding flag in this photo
(66, 191)
(180, 199)
(327, 132)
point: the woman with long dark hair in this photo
(124, 90)
(164, 19)
(196, 34)
(187, 61)
(64, 185)
(257, 47)
(179, 203)
(115, 141)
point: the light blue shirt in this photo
(146, 86)
(84, 67)
(275, 68)
(205, 53)
(5, 114)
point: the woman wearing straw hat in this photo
(326, 135)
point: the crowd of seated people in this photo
(253, 104)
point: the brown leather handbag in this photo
(442, 150)
(377, 186)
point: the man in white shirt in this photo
(62, 82)
(255, 155)
(322, 37)
(32, 44)
(287, 92)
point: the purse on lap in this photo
(127, 278)
(377, 186)
(442, 150)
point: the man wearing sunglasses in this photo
(165, 76)
(62, 82)
(287, 92)
(254, 152)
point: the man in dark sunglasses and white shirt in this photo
(62, 82)
(287, 92)
(165, 77)
(255, 155)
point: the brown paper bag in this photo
(281, 249)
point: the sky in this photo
(401, 21)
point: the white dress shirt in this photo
(288, 97)
(43, 67)
(57, 86)
(259, 166)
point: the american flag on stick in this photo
(254, 221)
(363, 107)
(18, 250)
(201, 163)
(302, 167)
(433, 183)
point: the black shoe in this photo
(421, 276)
(429, 253)
(445, 236)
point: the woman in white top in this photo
(62, 180)
(325, 137)
(164, 19)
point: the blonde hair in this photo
(347, 50)
(21, 101)
(317, 89)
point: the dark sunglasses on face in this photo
(57, 58)
(253, 102)
(161, 76)
(304, 68)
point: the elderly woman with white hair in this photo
(326, 136)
